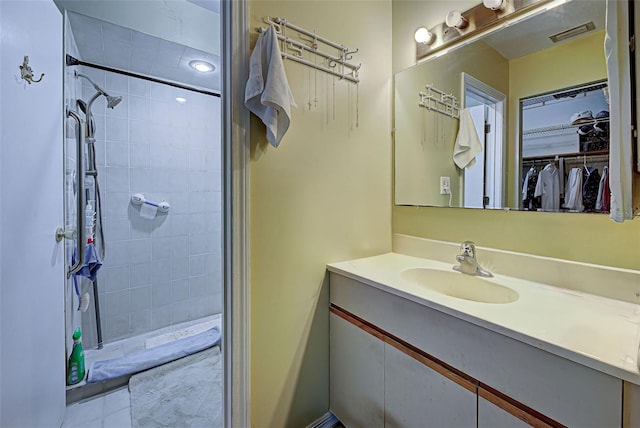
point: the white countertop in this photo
(595, 331)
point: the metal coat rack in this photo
(436, 100)
(308, 41)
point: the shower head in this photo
(111, 101)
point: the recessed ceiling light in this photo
(202, 66)
(181, 100)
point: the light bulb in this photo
(424, 36)
(493, 4)
(456, 20)
(202, 66)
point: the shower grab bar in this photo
(80, 234)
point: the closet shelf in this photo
(560, 127)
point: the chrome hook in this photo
(26, 72)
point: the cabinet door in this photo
(492, 416)
(418, 396)
(356, 375)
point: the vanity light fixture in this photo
(424, 36)
(493, 4)
(202, 66)
(456, 20)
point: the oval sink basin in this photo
(459, 285)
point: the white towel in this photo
(267, 94)
(468, 143)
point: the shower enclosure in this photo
(142, 183)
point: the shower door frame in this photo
(236, 336)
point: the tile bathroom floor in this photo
(113, 409)
(109, 410)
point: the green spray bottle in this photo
(75, 371)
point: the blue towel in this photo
(92, 263)
(134, 363)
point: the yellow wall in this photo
(589, 238)
(566, 65)
(324, 195)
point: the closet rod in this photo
(567, 155)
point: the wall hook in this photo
(26, 72)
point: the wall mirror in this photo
(533, 100)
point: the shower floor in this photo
(135, 344)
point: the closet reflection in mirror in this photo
(490, 77)
(565, 150)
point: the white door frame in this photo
(498, 99)
(235, 136)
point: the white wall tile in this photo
(161, 249)
(116, 229)
(139, 132)
(117, 83)
(117, 154)
(117, 129)
(118, 253)
(160, 271)
(179, 290)
(179, 268)
(140, 251)
(164, 150)
(197, 265)
(117, 179)
(118, 303)
(139, 156)
(139, 108)
(197, 286)
(161, 294)
(138, 87)
(116, 278)
(140, 275)
(180, 312)
(140, 299)
(161, 317)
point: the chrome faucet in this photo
(468, 263)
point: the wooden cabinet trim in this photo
(517, 409)
(506, 403)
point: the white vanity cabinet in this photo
(492, 416)
(357, 375)
(398, 363)
(416, 395)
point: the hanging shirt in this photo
(530, 202)
(605, 172)
(591, 181)
(548, 188)
(606, 196)
(573, 191)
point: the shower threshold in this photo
(135, 345)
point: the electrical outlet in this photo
(445, 186)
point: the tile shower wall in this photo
(165, 143)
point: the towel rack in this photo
(335, 64)
(436, 100)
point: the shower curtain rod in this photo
(70, 60)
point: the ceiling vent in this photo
(572, 32)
